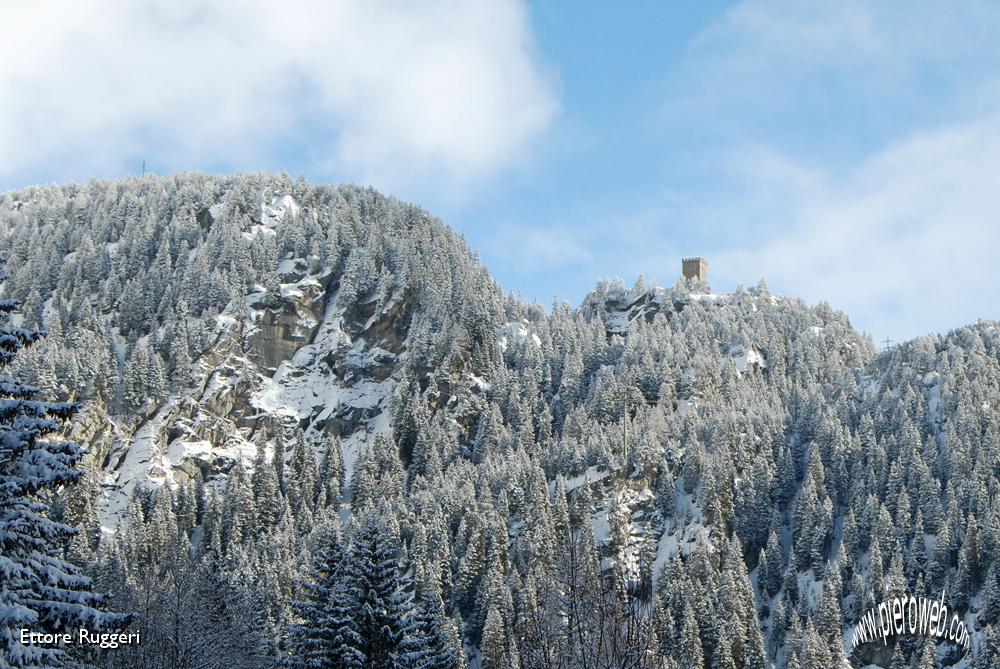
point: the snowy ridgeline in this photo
(293, 389)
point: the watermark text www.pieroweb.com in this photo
(911, 615)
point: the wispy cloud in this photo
(855, 157)
(905, 242)
(383, 92)
(888, 44)
(525, 248)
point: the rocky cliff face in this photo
(199, 317)
(294, 362)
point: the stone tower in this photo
(695, 268)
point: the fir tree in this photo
(39, 589)
(381, 606)
(327, 635)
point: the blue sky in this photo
(843, 151)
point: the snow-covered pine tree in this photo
(39, 589)
(382, 606)
(326, 634)
(494, 646)
(428, 642)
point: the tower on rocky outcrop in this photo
(695, 268)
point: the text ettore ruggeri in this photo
(82, 637)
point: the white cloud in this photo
(526, 248)
(380, 91)
(905, 242)
(873, 41)
(857, 157)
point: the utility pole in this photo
(143, 167)
(888, 343)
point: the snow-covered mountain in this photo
(273, 373)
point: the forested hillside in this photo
(319, 434)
